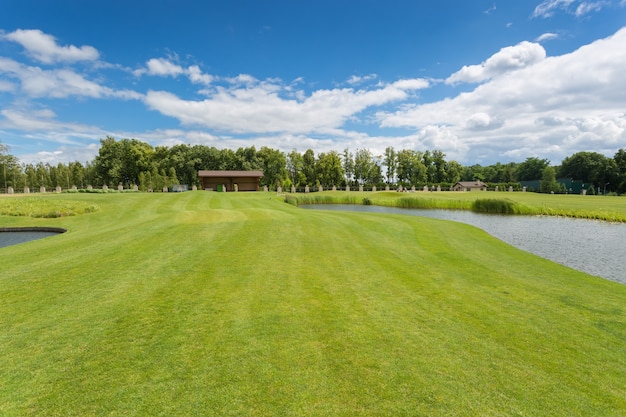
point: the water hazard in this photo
(595, 247)
(14, 236)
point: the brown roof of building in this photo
(220, 174)
(469, 184)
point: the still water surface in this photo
(595, 247)
(13, 238)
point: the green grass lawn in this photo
(208, 304)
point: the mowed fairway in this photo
(202, 304)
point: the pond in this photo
(13, 235)
(595, 247)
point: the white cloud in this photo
(588, 7)
(43, 120)
(37, 82)
(44, 48)
(6, 86)
(242, 79)
(58, 83)
(508, 59)
(547, 37)
(552, 108)
(576, 7)
(163, 67)
(71, 152)
(412, 84)
(356, 79)
(483, 121)
(548, 7)
(491, 9)
(197, 77)
(31, 120)
(261, 107)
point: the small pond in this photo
(595, 247)
(13, 235)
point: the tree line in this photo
(129, 162)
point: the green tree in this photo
(363, 166)
(295, 166)
(31, 176)
(172, 177)
(77, 174)
(391, 163)
(329, 169)
(548, 182)
(273, 163)
(348, 165)
(246, 159)
(228, 160)
(120, 162)
(589, 167)
(308, 166)
(620, 171)
(43, 176)
(375, 175)
(143, 181)
(437, 168)
(531, 169)
(411, 169)
(453, 172)
(8, 163)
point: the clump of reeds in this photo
(431, 203)
(320, 199)
(495, 206)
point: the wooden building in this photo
(230, 180)
(470, 186)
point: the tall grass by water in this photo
(583, 207)
(209, 304)
(307, 199)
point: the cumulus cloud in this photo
(483, 121)
(196, 76)
(44, 48)
(550, 108)
(163, 67)
(261, 107)
(508, 59)
(525, 104)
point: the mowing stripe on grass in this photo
(205, 303)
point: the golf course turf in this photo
(201, 303)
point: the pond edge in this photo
(33, 229)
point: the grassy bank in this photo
(576, 206)
(42, 206)
(207, 304)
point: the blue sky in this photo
(483, 81)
